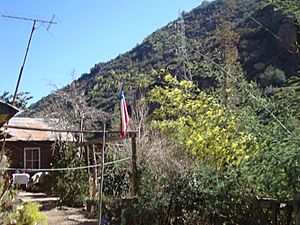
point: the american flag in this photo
(124, 119)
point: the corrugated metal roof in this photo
(32, 135)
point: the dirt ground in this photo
(57, 215)
(68, 216)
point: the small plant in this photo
(29, 215)
(23, 214)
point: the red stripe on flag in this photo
(124, 118)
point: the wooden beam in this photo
(66, 130)
(134, 166)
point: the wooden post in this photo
(274, 213)
(297, 211)
(102, 176)
(87, 152)
(297, 207)
(81, 136)
(94, 160)
(134, 166)
(289, 214)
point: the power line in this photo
(266, 28)
(65, 168)
(249, 92)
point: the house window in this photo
(31, 158)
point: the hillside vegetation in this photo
(214, 96)
(204, 33)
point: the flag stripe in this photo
(124, 119)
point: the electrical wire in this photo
(249, 92)
(65, 168)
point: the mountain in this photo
(265, 37)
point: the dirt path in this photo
(57, 215)
(68, 216)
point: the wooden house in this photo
(31, 149)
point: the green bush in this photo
(23, 214)
(116, 177)
(151, 205)
(200, 195)
(272, 77)
(30, 215)
(70, 185)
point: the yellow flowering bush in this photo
(200, 123)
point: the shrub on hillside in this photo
(272, 76)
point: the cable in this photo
(249, 92)
(64, 169)
(267, 29)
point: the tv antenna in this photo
(42, 22)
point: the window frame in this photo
(39, 157)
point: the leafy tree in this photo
(228, 38)
(275, 166)
(201, 124)
(22, 99)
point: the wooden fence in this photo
(287, 207)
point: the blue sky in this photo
(88, 32)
